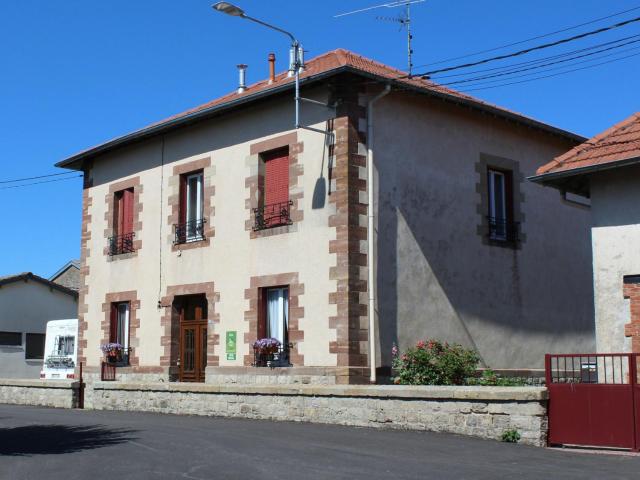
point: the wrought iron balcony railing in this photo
(280, 358)
(274, 215)
(120, 244)
(192, 231)
(121, 359)
(501, 230)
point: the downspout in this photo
(371, 261)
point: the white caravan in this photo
(60, 349)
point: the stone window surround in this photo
(485, 163)
(253, 182)
(631, 291)
(173, 218)
(134, 183)
(296, 312)
(134, 321)
(170, 325)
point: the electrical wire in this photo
(439, 62)
(38, 183)
(552, 75)
(532, 49)
(35, 178)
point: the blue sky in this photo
(78, 72)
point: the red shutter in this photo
(127, 226)
(262, 314)
(113, 323)
(183, 200)
(276, 189)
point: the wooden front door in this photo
(193, 338)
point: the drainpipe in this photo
(370, 236)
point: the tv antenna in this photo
(404, 20)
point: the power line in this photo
(38, 183)
(537, 47)
(530, 39)
(536, 67)
(34, 178)
(553, 75)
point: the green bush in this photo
(511, 436)
(432, 362)
(489, 378)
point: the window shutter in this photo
(183, 199)
(113, 323)
(262, 313)
(128, 211)
(276, 178)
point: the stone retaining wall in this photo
(484, 412)
(44, 393)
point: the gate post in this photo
(633, 381)
(547, 377)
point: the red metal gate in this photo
(594, 400)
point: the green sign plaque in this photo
(231, 345)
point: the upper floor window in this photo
(34, 346)
(274, 208)
(502, 227)
(122, 239)
(119, 328)
(191, 226)
(13, 339)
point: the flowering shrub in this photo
(111, 349)
(267, 345)
(432, 362)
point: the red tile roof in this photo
(620, 142)
(323, 65)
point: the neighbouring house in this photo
(606, 170)
(68, 276)
(27, 303)
(226, 224)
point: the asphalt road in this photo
(40, 443)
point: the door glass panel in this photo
(203, 350)
(189, 350)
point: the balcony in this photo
(501, 230)
(120, 244)
(274, 215)
(280, 358)
(192, 231)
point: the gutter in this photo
(549, 177)
(371, 307)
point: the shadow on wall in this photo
(58, 439)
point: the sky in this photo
(75, 73)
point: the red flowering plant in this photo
(432, 362)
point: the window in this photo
(64, 345)
(119, 328)
(13, 339)
(191, 226)
(500, 214)
(276, 314)
(274, 208)
(34, 346)
(122, 239)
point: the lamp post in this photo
(296, 64)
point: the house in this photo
(69, 275)
(225, 224)
(606, 170)
(27, 303)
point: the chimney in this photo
(242, 73)
(272, 68)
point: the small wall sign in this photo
(231, 345)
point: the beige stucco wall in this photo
(436, 276)
(232, 257)
(615, 239)
(26, 307)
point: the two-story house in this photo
(225, 224)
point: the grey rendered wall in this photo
(26, 307)
(615, 197)
(437, 275)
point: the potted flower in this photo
(112, 351)
(264, 350)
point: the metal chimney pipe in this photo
(242, 74)
(292, 62)
(301, 58)
(272, 68)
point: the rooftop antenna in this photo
(404, 21)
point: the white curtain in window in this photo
(277, 312)
(123, 325)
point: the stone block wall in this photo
(484, 412)
(43, 393)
